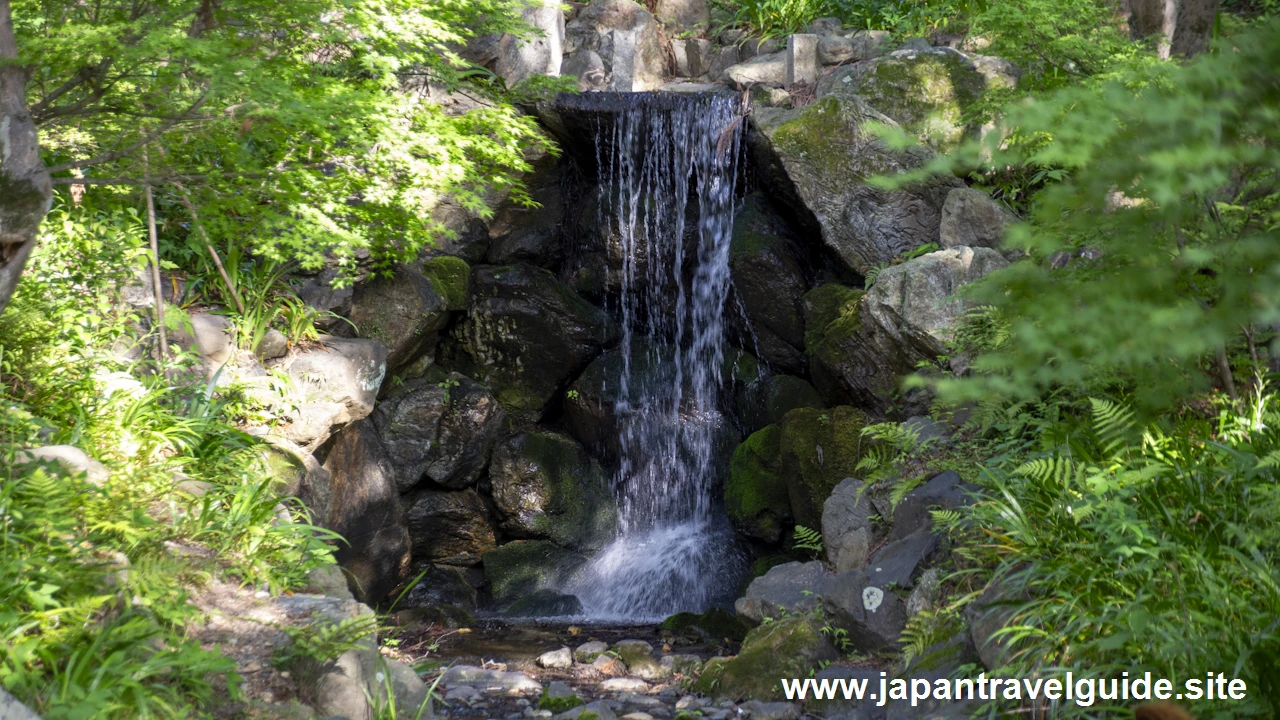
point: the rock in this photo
(12, 709)
(865, 226)
(407, 688)
(682, 15)
(970, 218)
(625, 37)
(638, 657)
(992, 611)
(449, 527)
(833, 50)
(838, 706)
(533, 235)
(819, 449)
(874, 616)
(769, 96)
(771, 68)
(768, 400)
(546, 486)
(273, 345)
(520, 568)
(721, 60)
(209, 336)
(825, 26)
(483, 679)
(440, 431)
(443, 615)
(846, 525)
(771, 711)
(1187, 26)
(768, 279)
(926, 430)
(559, 698)
(403, 312)
(556, 659)
(755, 494)
(713, 625)
(545, 603)
(362, 505)
(311, 423)
(440, 585)
(926, 593)
(344, 372)
(693, 57)
(609, 665)
(69, 458)
(680, 664)
(621, 685)
(857, 47)
(320, 294)
(897, 563)
(538, 54)
(588, 67)
(789, 589)
(587, 652)
(789, 648)
(525, 334)
(945, 491)
(802, 59)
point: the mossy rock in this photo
(927, 93)
(789, 648)
(451, 278)
(762, 565)
(545, 603)
(518, 569)
(784, 393)
(446, 616)
(558, 705)
(755, 495)
(714, 624)
(818, 449)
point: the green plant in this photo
(383, 702)
(447, 384)
(924, 249)
(808, 539)
(314, 648)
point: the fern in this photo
(1113, 424)
(902, 487)
(808, 539)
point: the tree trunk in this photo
(25, 189)
(1187, 25)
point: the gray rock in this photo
(833, 49)
(273, 345)
(546, 486)
(525, 334)
(556, 659)
(681, 664)
(846, 525)
(721, 60)
(403, 312)
(802, 59)
(771, 68)
(440, 585)
(12, 709)
(69, 458)
(682, 15)
(945, 491)
(311, 423)
(865, 226)
(587, 652)
(545, 603)
(539, 54)
(449, 527)
(638, 657)
(825, 26)
(926, 593)
(971, 218)
(624, 685)
(792, 587)
(609, 665)
(345, 372)
(693, 57)
(518, 569)
(319, 293)
(987, 615)
(588, 67)
(897, 563)
(999, 73)
(872, 615)
(771, 710)
(915, 45)
(439, 431)
(769, 280)
(927, 431)
(209, 336)
(483, 679)
(362, 505)
(625, 36)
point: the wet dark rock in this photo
(713, 625)
(767, 276)
(546, 486)
(873, 615)
(520, 568)
(449, 527)
(531, 234)
(439, 614)
(404, 312)
(945, 491)
(755, 493)
(362, 505)
(990, 613)
(525, 335)
(900, 562)
(820, 448)
(440, 585)
(786, 589)
(788, 648)
(545, 603)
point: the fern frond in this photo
(1113, 423)
(1058, 469)
(808, 539)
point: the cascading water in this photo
(675, 550)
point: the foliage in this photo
(93, 596)
(808, 539)
(313, 649)
(1144, 548)
(904, 18)
(1172, 187)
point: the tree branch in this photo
(117, 154)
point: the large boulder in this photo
(872, 614)
(406, 311)
(970, 218)
(521, 568)
(546, 486)
(766, 399)
(449, 527)
(755, 494)
(770, 69)
(540, 54)
(944, 491)
(439, 585)
(439, 430)
(846, 525)
(769, 280)
(924, 91)
(211, 337)
(532, 234)
(818, 449)
(362, 505)
(787, 589)
(624, 37)
(341, 374)
(683, 15)
(817, 159)
(525, 335)
(793, 647)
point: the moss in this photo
(588, 715)
(285, 469)
(762, 565)
(446, 616)
(451, 279)
(830, 312)
(926, 94)
(818, 449)
(519, 568)
(755, 494)
(786, 393)
(714, 624)
(559, 704)
(580, 505)
(790, 648)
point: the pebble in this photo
(637, 716)
(687, 702)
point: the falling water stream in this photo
(675, 550)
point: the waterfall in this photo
(655, 156)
